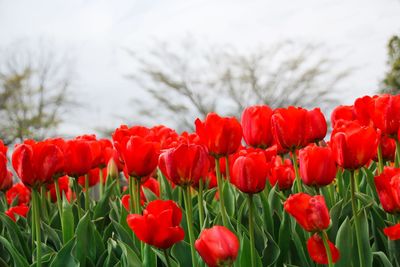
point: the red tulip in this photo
(21, 191)
(342, 113)
(21, 210)
(189, 138)
(281, 172)
(385, 114)
(363, 108)
(256, 124)
(94, 177)
(315, 127)
(317, 251)
(317, 165)
(353, 145)
(388, 188)
(78, 157)
(5, 174)
(185, 164)
(217, 246)
(3, 148)
(37, 163)
(63, 185)
(221, 135)
(388, 147)
(123, 131)
(393, 232)
(159, 225)
(166, 137)
(151, 184)
(309, 211)
(249, 172)
(139, 155)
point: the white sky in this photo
(96, 32)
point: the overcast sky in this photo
(95, 34)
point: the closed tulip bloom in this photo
(345, 113)
(249, 172)
(37, 163)
(139, 155)
(393, 232)
(317, 165)
(388, 187)
(316, 249)
(316, 126)
(388, 147)
(159, 224)
(256, 125)
(95, 148)
(353, 145)
(386, 115)
(281, 172)
(217, 246)
(78, 157)
(21, 210)
(166, 137)
(363, 108)
(309, 211)
(5, 174)
(185, 164)
(221, 135)
(21, 191)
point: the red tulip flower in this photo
(316, 126)
(217, 246)
(249, 172)
(21, 210)
(256, 124)
(317, 165)
(363, 108)
(345, 113)
(185, 164)
(393, 232)
(166, 137)
(37, 163)
(21, 191)
(388, 188)
(281, 172)
(94, 177)
(386, 115)
(151, 184)
(159, 224)
(3, 148)
(388, 147)
(353, 145)
(221, 135)
(5, 174)
(309, 211)
(78, 157)
(317, 251)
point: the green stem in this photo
(78, 200)
(131, 182)
(397, 158)
(356, 221)
(43, 204)
(118, 187)
(201, 204)
(138, 207)
(296, 171)
(101, 189)
(251, 230)
(87, 199)
(221, 198)
(187, 197)
(58, 195)
(327, 248)
(36, 207)
(380, 160)
(167, 259)
(227, 173)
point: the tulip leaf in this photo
(161, 255)
(18, 239)
(150, 196)
(64, 257)
(229, 201)
(381, 259)
(366, 248)
(129, 258)
(271, 251)
(19, 260)
(85, 243)
(284, 238)
(344, 243)
(68, 221)
(181, 252)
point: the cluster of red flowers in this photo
(285, 148)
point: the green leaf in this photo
(19, 260)
(284, 238)
(16, 236)
(345, 244)
(84, 244)
(64, 257)
(130, 257)
(381, 259)
(181, 252)
(229, 200)
(366, 248)
(67, 221)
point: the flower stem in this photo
(356, 221)
(251, 230)
(189, 218)
(58, 195)
(78, 200)
(87, 199)
(36, 207)
(380, 160)
(131, 182)
(101, 189)
(327, 248)
(221, 198)
(296, 171)
(137, 197)
(397, 157)
(201, 204)
(167, 259)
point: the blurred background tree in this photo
(186, 82)
(34, 86)
(391, 82)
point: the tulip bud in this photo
(112, 169)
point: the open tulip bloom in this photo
(267, 189)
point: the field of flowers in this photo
(269, 190)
